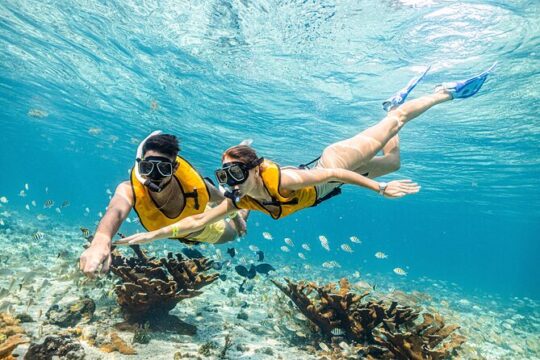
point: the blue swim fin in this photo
(401, 95)
(462, 89)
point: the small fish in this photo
(244, 272)
(192, 253)
(356, 274)
(48, 204)
(327, 264)
(65, 204)
(380, 255)
(2, 223)
(337, 332)
(3, 200)
(22, 193)
(58, 210)
(41, 217)
(264, 268)
(218, 254)
(355, 240)
(307, 267)
(289, 242)
(260, 255)
(46, 189)
(87, 210)
(27, 207)
(38, 235)
(346, 248)
(108, 191)
(100, 214)
(324, 347)
(135, 220)
(284, 248)
(301, 256)
(217, 265)
(37, 113)
(400, 271)
(306, 247)
(85, 232)
(94, 131)
(128, 220)
(253, 248)
(324, 242)
(267, 235)
(231, 252)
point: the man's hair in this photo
(164, 143)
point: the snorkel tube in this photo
(146, 182)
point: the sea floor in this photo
(260, 323)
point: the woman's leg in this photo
(356, 152)
(382, 165)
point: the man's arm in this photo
(99, 252)
(216, 197)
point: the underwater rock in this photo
(377, 329)
(55, 346)
(25, 318)
(150, 288)
(242, 315)
(72, 313)
(11, 335)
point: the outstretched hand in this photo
(400, 188)
(136, 239)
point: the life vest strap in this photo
(195, 196)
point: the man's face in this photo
(157, 167)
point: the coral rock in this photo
(58, 346)
(70, 314)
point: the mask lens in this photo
(221, 176)
(236, 173)
(146, 167)
(165, 168)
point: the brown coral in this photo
(151, 288)
(117, 344)
(11, 335)
(378, 329)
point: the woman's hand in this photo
(400, 188)
(140, 238)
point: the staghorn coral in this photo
(377, 329)
(150, 288)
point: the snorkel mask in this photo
(155, 168)
(235, 173)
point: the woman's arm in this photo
(295, 179)
(183, 227)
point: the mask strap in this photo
(139, 158)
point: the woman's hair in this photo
(243, 153)
(164, 143)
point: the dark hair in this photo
(164, 143)
(243, 153)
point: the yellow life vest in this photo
(193, 186)
(271, 177)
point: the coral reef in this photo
(56, 346)
(71, 314)
(150, 288)
(117, 344)
(11, 335)
(376, 329)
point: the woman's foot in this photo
(465, 88)
(401, 95)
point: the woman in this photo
(257, 184)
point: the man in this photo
(164, 188)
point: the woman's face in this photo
(247, 187)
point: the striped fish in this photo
(346, 248)
(48, 204)
(324, 242)
(38, 235)
(85, 232)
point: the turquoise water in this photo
(82, 84)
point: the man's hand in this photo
(93, 257)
